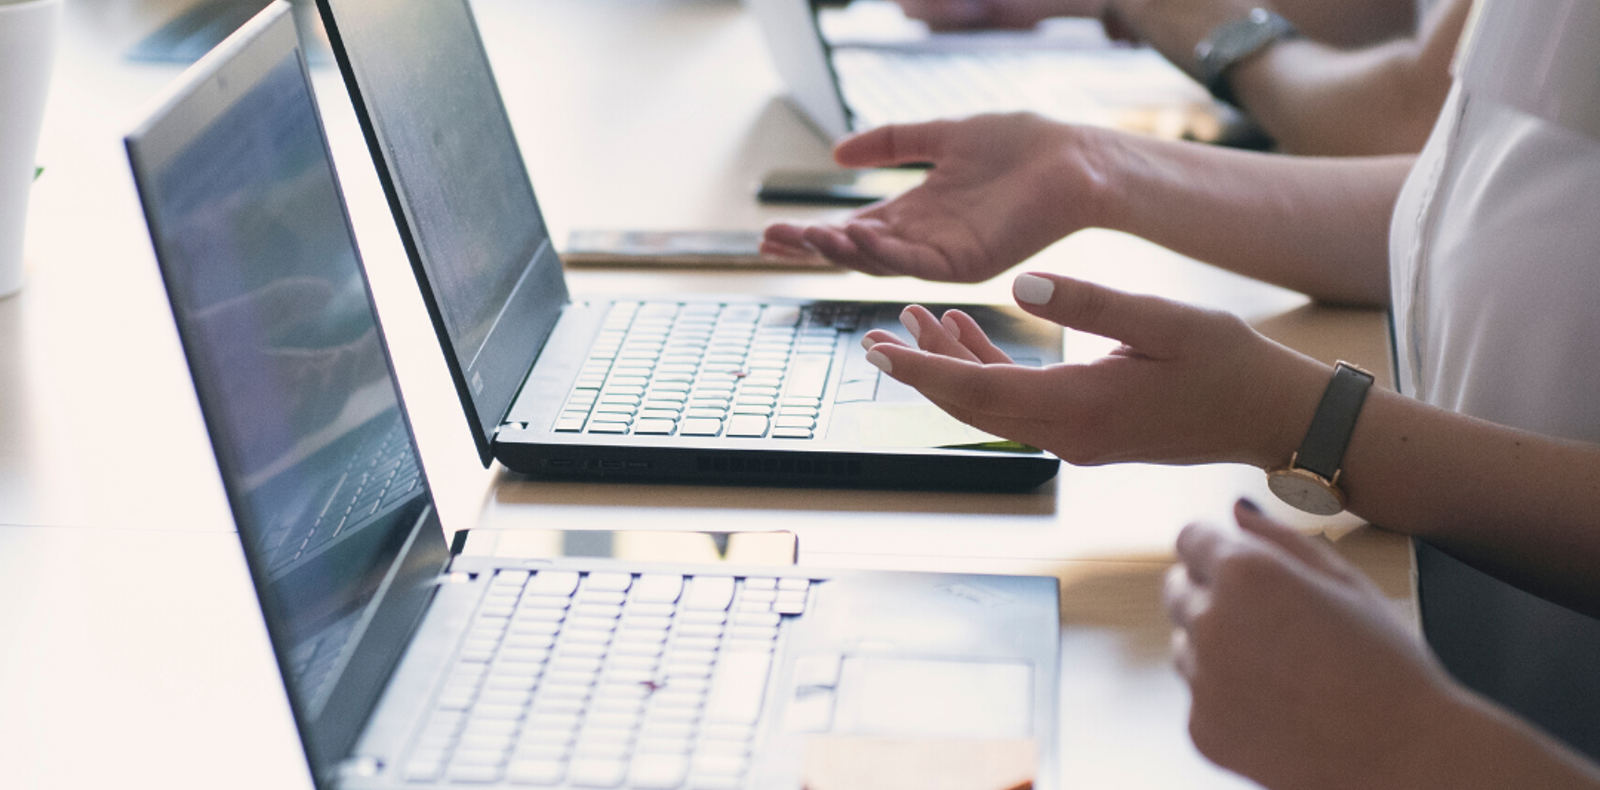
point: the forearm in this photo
(1318, 226)
(1520, 506)
(1472, 745)
(1314, 99)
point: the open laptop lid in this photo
(292, 374)
(448, 159)
(800, 54)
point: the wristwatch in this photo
(1231, 42)
(1311, 480)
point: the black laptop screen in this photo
(291, 371)
(446, 152)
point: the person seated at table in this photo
(1303, 677)
(1368, 79)
(1485, 255)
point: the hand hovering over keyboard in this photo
(1002, 188)
(1303, 678)
(1187, 385)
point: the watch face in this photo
(1305, 491)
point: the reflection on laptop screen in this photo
(285, 352)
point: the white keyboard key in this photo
(715, 782)
(601, 596)
(720, 766)
(483, 750)
(763, 619)
(792, 584)
(658, 771)
(639, 648)
(657, 745)
(634, 662)
(759, 583)
(536, 772)
(737, 688)
(474, 774)
(681, 656)
(647, 608)
(581, 648)
(589, 748)
(764, 596)
(706, 630)
(740, 733)
(675, 699)
(667, 729)
(646, 622)
(596, 773)
(713, 616)
(696, 685)
(582, 636)
(554, 583)
(747, 425)
(572, 663)
(709, 592)
(820, 671)
(419, 770)
(658, 587)
(685, 642)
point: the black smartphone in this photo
(837, 187)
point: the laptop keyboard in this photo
(601, 679)
(737, 370)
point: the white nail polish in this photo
(1032, 289)
(867, 343)
(909, 321)
(951, 326)
(880, 361)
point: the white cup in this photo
(27, 54)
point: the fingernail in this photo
(880, 361)
(950, 326)
(1032, 289)
(867, 343)
(1249, 505)
(909, 321)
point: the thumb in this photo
(1148, 324)
(896, 144)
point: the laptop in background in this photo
(656, 386)
(866, 65)
(407, 667)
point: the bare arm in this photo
(1313, 98)
(1194, 386)
(1004, 187)
(1302, 678)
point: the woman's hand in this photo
(1186, 386)
(1301, 676)
(1002, 188)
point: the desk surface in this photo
(632, 115)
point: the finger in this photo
(931, 335)
(834, 245)
(784, 233)
(877, 336)
(1001, 390)
(1149, 324)
(1312, 552)
(877, 241)
(964, 328)
(1183, 658)
(895, 144)
(780, 250)
(1200, 547)
(1176, 588)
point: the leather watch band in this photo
(1322, 451)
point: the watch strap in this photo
(1231, 42)
(1322, 451)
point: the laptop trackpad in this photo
(933, 698)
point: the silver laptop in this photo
(854, 69)
(674, 386)
(407, 667)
